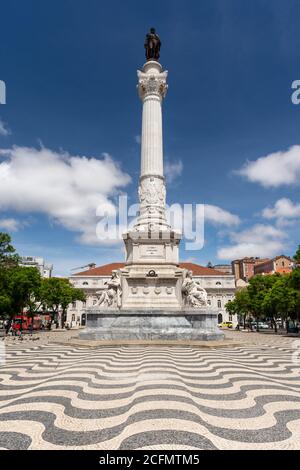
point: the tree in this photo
(294, 278)
(258, 287)
(280, 300)
(240, 305)
(8, 260)
(69, 294)
(8, 256)
(5, 303)
(58, 293)
(297, 256)
(21, 288)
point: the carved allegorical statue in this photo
(112, 295)
(152, 45)
(194, 294)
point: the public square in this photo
(58, 396)
(149, 229)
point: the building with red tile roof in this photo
(107, 269)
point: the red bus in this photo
(23, 322)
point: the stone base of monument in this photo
(182, 325)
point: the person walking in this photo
(7, 326)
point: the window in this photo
(94, 302)
(84, 304)
(230, 317)
(219, 304)
(85, 283)
(218, 283)
(73, 317)
(73, 304)
(209, 302)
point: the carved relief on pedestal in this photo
(146, 290)
(152, 191)
(193, 294)
(152, 84)
(112, 295)
(152, 198)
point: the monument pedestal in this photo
(151, 278)
(145, 324)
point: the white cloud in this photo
(283, 209)
(67, 188)
(219, 216)
(172, 170)
(10, 224)
(4, 129)
(275, 169)
(260, 240)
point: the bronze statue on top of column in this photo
(152, 45)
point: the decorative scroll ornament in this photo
(152, 84)
(194, 295)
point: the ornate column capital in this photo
(152, 84)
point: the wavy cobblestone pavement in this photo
(55, 396)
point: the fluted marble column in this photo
(152, 87)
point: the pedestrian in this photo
(7, 326)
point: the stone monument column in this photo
(152, 297)
(152, 88)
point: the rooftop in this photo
(107, 269)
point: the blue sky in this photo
(231, 131)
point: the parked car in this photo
(292, 327)
(261, 325)
(225, 324)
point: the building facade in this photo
(220, 289)
(39, 263)
(224, 268)
(280, 264)
(244, 268)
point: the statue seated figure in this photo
(193, 293)
(111, 296)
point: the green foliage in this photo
(22, 287)
(280, 300)
(297, 256)
(24, 283)
(57, 293)
(8, 256)
(258, 287)
(240, 305)
(294, 279)
(272, 296)
(19, 287)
